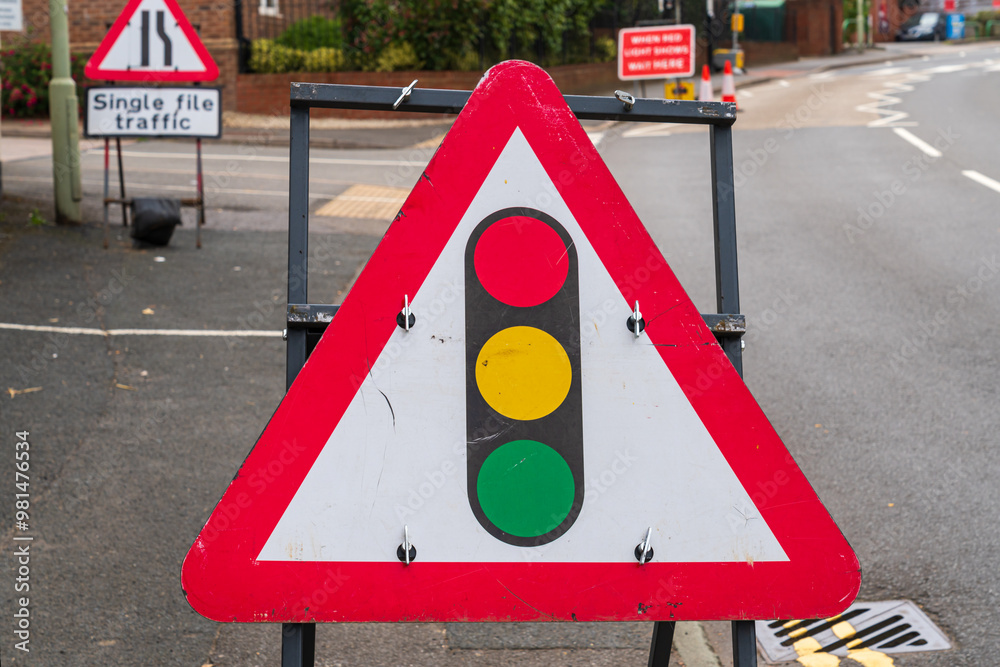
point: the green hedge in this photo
(315, 32)
(393, 35)
(269, 57)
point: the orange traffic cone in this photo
(705, 90)
(729, 85)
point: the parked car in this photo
(930, 26)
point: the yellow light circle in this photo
(523, 373)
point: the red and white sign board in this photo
(386, 431)
(151, 40)
(658, 52)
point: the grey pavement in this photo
(261, 130)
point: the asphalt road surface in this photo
(869, 240)
(867, 208)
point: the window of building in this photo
(268, 8)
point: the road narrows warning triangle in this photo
(520, 435)
(151, 40)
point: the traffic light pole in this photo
(305, 321)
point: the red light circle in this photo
(521, 261)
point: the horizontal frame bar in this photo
(316, 317)
(586, 107)
(186, 201)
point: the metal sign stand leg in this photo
(121, 182)
(659, 648)
(744, 644)
(298, 640)
(201, 197)
(298, 644)
(107, 149)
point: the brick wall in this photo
(766, 53)
(268, 93)
(815, 26)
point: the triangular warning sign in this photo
(151, 40)
(482, 407)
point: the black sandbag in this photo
(154, 219)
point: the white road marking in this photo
(891, 118)
(906, 135)
(178, 188)
(889, 71)
(197, 333)
(982, 180)
(783, 83)
(947, 69)
(273, 158)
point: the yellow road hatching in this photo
(811, 656)
(373, 202)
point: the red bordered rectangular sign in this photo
(658, 52)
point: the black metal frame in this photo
(305, 321)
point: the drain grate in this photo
(893, 626)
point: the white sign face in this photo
(11, 15)
(119, 111)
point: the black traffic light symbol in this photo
(524, 410)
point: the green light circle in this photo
(525, 488)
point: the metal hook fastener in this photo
(625, 99)
(635, 322)
(406, 318)
(643, 550)
(406, 552)
(404, 96)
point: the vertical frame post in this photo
(298, 233)
(727, 283)
(727, 297)
(298, 640)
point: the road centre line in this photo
(906, 135)
(275, 158)
(981, 179)
(197, 333)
